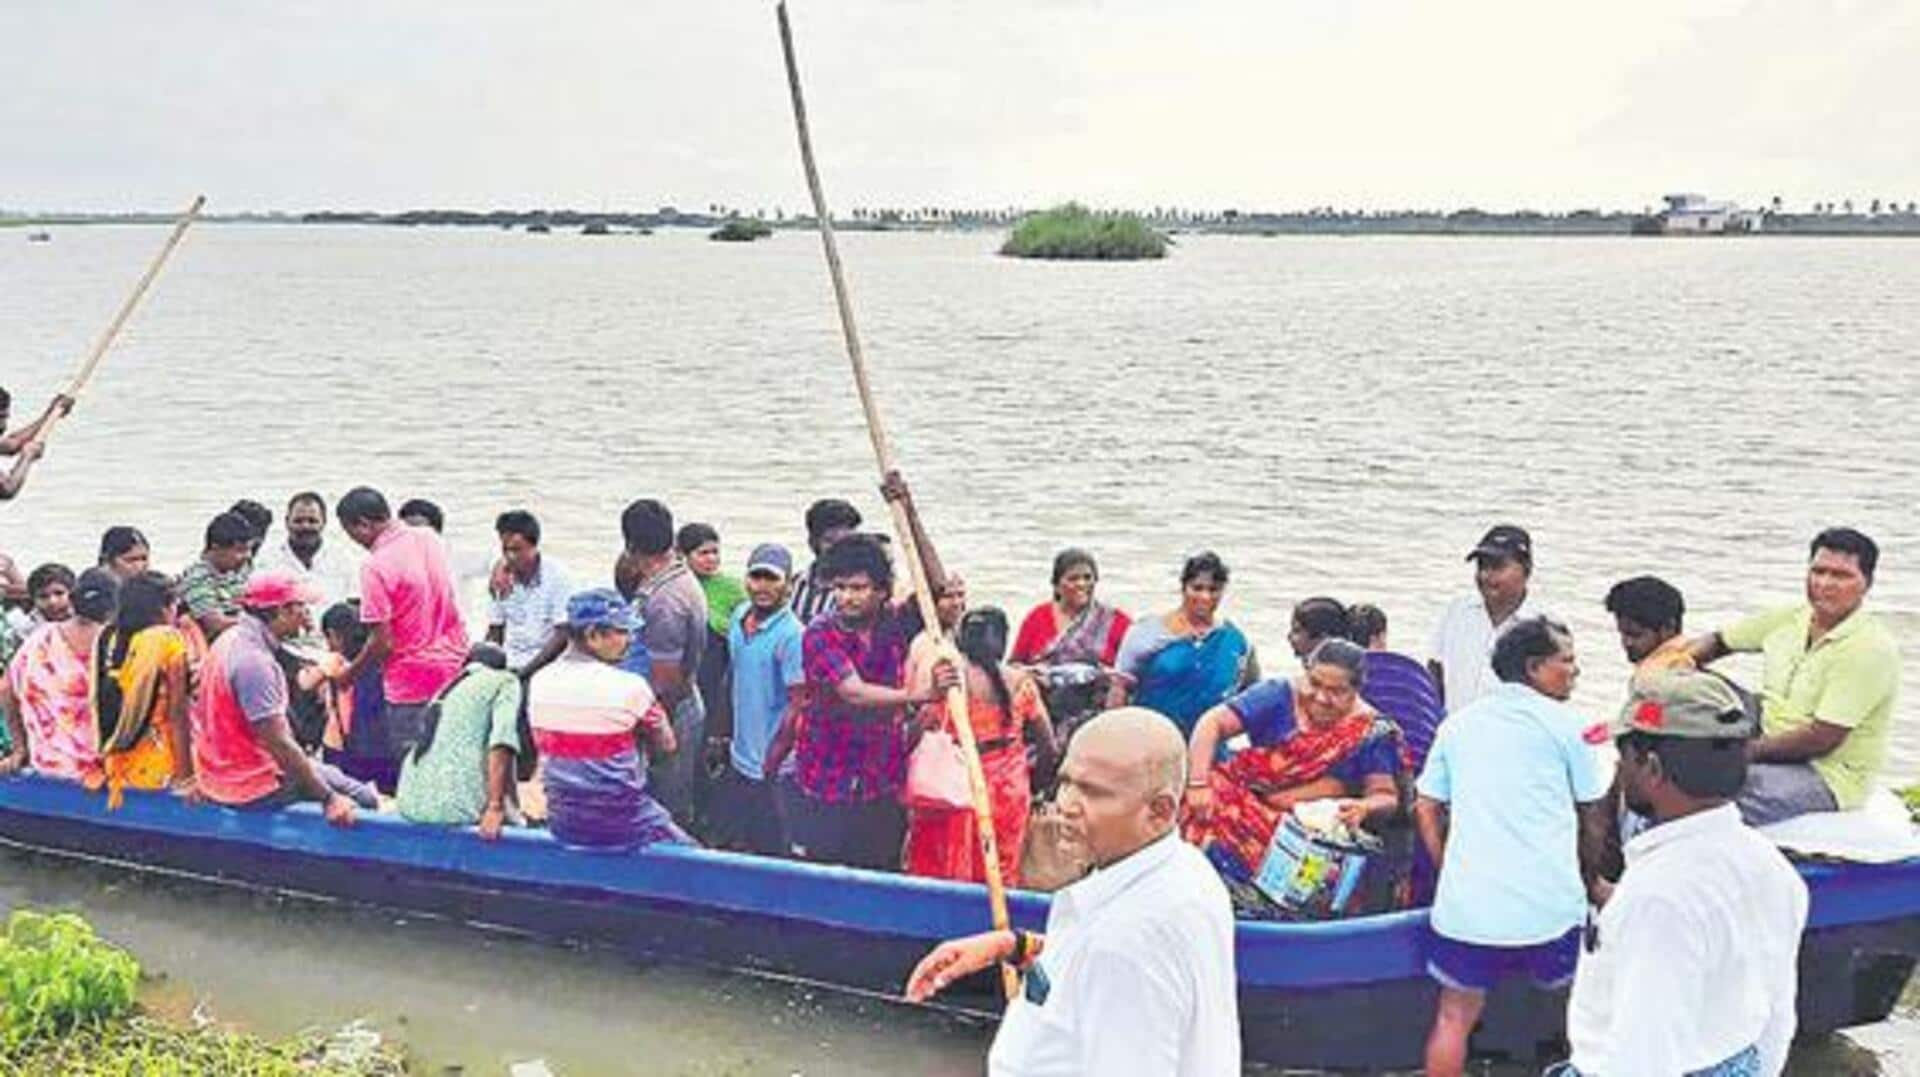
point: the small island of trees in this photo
(741, 230)
(1073, 231)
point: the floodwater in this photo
(1333, 415)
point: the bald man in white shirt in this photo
(1135, 972)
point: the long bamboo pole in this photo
(902, 524)
(100, 346)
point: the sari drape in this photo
(1242, 823)
(51, 686)
(1183, 677)
(133, 705)
(946, 844)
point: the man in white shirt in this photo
(332, 570)
(1690, 967)
(1135, 972)
(1461, 651)
(530, 620)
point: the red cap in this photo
(265, 590)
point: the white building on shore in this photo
(1696, 214)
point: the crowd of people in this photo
(804, 712)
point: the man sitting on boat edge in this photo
(1832, 678)
(244, 754)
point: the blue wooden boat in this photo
(1334, 995)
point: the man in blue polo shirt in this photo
(1511, 811)
(763, 641)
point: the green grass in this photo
(67, 1010)
(141, 1046)
(1073, 231)
(741, 230)
(56, 976)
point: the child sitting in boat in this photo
(353, 738)
(1313, 738)
(590, 719)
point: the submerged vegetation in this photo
(741, 230)
(67, 1008)
(1074, 231)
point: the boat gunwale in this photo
(1356, 951)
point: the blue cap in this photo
(601, 607)
(770, 557)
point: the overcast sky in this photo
(388, 104)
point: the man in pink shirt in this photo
(408, 598)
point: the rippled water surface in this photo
(1336, 415)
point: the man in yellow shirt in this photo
(1832, 675)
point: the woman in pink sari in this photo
(1005, 709)
(49, 685)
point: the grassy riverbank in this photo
(67, 1008)
(1073, 231)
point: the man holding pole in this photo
(25, 443)
(851, 753)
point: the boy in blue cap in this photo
(591, 720)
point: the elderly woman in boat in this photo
(1312, 738)
(140, 691)
(1188, 660)
(48, 686)
(1071, 642)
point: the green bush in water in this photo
(1074, 231)
(741, 230)
(1911, 794)
(57, 976)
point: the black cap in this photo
(1504, 540)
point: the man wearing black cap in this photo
(1461, 651)
(1691, 966)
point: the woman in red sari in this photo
(1312, 738)
(1005, 709)
(1070, 643)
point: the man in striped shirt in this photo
(594, 724)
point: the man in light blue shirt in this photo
(763, 641)
(1510, 810)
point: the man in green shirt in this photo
(210, 587)
(1832, 676)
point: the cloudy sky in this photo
(387, 104)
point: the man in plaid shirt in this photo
(852, 752)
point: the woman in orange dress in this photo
(140, 689)
(1005, 709)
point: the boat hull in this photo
(1338, 995)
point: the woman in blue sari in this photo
(1187, 661)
